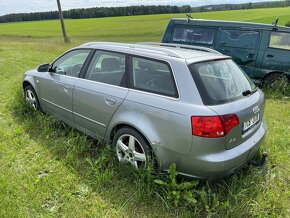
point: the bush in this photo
(288, 24)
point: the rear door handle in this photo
(67, 89)
(251, 55)
(270, 56)
(110, 101)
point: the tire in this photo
(131, 147)
(31, 98)
(275, 80)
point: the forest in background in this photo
(134, 10)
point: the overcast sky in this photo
(22, 6)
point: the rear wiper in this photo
(249, 92)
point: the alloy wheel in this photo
(130, 150)
(31, 99)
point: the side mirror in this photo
(43, 68)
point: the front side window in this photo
(71, 63)
(239, 39)
(280, 40)
(107, 67)
(153, 76)
(220, 81)
(193, 35)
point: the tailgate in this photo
(249, 110)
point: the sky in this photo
(23, 6)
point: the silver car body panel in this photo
(94, 104)
(55, 94)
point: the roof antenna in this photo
(275, 24)
(188, 17)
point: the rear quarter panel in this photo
(161, 126)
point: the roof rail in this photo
(174, 45)
(133, 46)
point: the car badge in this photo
(256, 109)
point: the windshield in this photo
(220, 81)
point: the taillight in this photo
(209, 126)
(213, 126)
(229, 121)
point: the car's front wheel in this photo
(131, 147)
(31, 98)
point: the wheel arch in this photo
(127, 125)
(275, 72)
(25, 84)
(29, 82)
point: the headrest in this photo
(110, 64)
(144, 65)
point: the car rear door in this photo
(56, 86)
(98, 95)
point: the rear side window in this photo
(280, 40)
(153, 76)
(193, 35)
(239, 39)
(107, 67)
(220, 81)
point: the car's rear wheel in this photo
(31, 98)
(131, 147)
(275, 80)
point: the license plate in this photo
(248, 124)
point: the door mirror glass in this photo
(43, 68)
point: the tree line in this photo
(250, 5)
(134, 10)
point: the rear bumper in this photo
(215, 165)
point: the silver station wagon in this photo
(174, 104)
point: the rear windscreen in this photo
(193, 35)
(220, 81)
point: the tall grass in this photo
(244, 194)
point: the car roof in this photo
(224, 23)
(192, 53)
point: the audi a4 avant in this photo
(186, 105)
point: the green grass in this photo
(49, 170)
(132, 28)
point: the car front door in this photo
(276, 56)
(56, 86)
(241, 45)
(98, 95)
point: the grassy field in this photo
(132, 28)
(49, 170)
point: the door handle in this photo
(251, 55)
(110, 101)
(270, 56)
(67, 89)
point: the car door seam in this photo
(56, 105)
